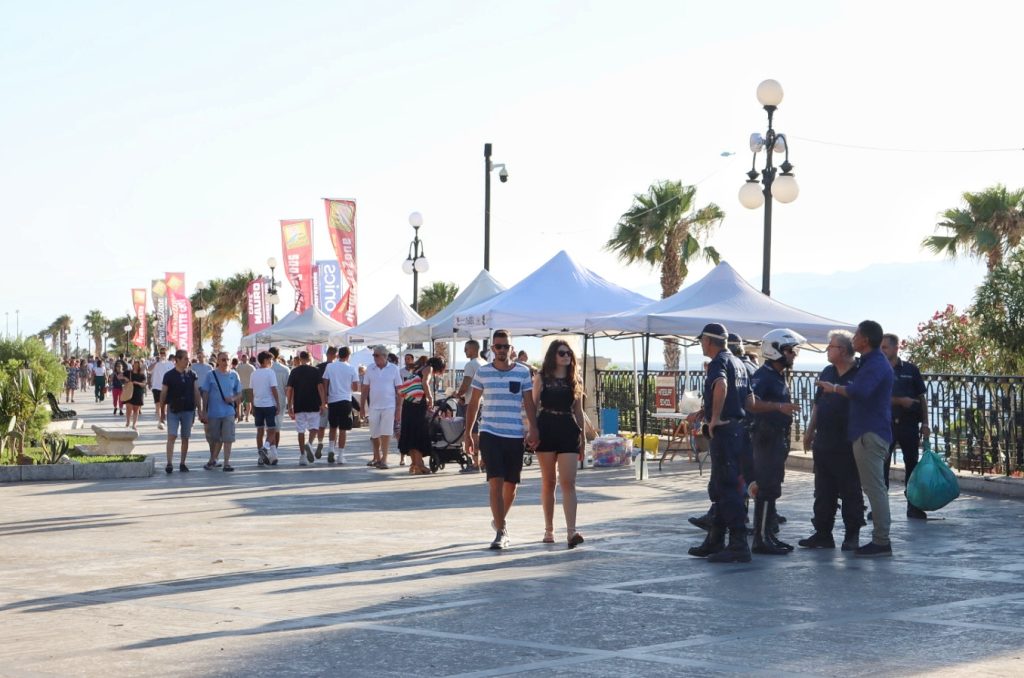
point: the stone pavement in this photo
(352, 572)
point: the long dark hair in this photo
(550, 366)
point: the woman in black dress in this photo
(414, 438)
(558, 392)
(132, 407)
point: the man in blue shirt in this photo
(909, 414)
(770, 403)
(221, 390)
(870, 429)
(725, 391)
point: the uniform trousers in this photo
(835, 479)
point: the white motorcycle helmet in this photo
(773, 343)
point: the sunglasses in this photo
(500, 347)
(565, 354)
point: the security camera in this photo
(503, 175)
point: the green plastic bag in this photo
(932, 485)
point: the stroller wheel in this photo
(527, 460)
(433, 464)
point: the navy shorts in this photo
(266, 417)
(339, 415)
(502, 456)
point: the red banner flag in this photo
(139, 302)
(341, 224)
(297, 248)
(179, 328)
(258, 307)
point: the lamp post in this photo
(782, 187)
(201, 313)
(272, 295)
(128, 339)
(76, 341)
(503, 177)
(416, 262)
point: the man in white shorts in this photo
(306, 398)
(264, 400)
(382, 402)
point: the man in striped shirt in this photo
(504, 383)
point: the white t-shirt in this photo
(99, 370)
(382, 382)
(157, 374)
(281, 372)
(245, 372)
(472, 365)
(263, 380)
(341, 375)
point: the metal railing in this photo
(976, 421)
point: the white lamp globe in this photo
(422, 266)
(127, 328)
(415, 219)
(769, 93)
(407, 266)
(274, 299)
(200, 285)
(784, 188)
(751, 195)
(271, 262)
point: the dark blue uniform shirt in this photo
(768, 384)
(907, 383)
(833, 414)
(727, 366)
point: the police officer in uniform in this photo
(725, 390)
(770, 403)
(736, 348)
(909, 413)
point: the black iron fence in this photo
(976, 421)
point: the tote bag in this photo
(932, 485)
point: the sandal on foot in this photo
(549, 537)
(575, 540)
(228, 468)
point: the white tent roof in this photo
(381, 328)
(441, 325)
(312, 326)
(556, 298)
(263, 337)
(721, 296)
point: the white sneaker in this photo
(273, 455)
(302, 460)
(160, 425)
(341, 455)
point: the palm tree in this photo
(990, 226)
(63, 326)
(433, 298)
(664, 228)
(118, 335)
(203, 299)
(96, 325)
(53, 331)
(229, 304)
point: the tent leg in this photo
(643, 410)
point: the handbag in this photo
(127, 390)
(412, 389)
(933, 484)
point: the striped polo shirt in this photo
(503, 391)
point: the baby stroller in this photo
(446, 431)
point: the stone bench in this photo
(112, 440)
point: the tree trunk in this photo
(97, 342)
(217, 337)
(670, 283)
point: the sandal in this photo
(372, 462)
(549, 537)
(575, 540)
(381, 465)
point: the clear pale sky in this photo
(140, 139)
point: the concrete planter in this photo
(111, 471)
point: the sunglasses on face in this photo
(564, 354)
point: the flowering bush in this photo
(952, 342)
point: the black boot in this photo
(713, 543)
(852, 540)
(769, 535)
(761, 543)
(705, 521)
(818, 540)
(737, 552)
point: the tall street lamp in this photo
(782, 187)
(76, 341)
(272, 291)
(503, 176)
(201, 313)
(416, 262)
(128, 339)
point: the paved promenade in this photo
(352, 572)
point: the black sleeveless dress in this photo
(558, 429)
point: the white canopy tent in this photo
(382, 327)
(720, 296)
(312, 326)
(557, 298)
(441, 325)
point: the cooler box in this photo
(612, 451)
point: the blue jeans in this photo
(182, 421)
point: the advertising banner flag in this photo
(179, 329)
(159, 290)
(139, 304)
(257, 306)
(297, 249)
(341, 224)
(330, 284)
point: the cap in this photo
(715, 331)
(735, 339)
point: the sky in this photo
(139, 139)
